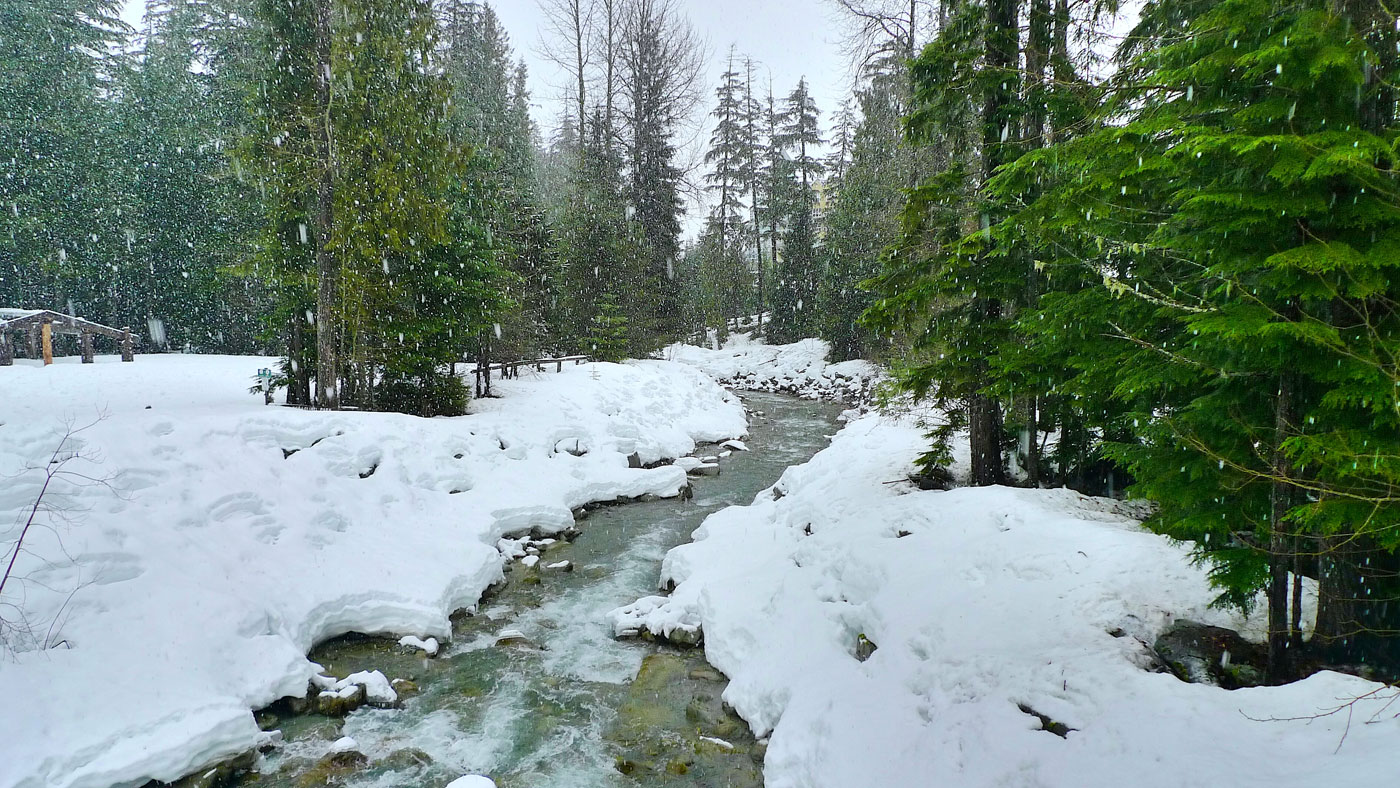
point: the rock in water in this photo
(472, 781)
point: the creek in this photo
(567, 706)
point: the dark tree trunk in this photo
(299, 390)
(328, 273)
(984, 414)
(1358, 606)
(984, 435)
(1280, 666)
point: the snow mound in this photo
(882, 635)
(232, 537)
(800, 368)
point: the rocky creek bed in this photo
(533, 690)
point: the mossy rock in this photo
(678, 766)
(402, 760)
(224, 773)
(333, 769)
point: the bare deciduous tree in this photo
(569, 25)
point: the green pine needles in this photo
(1193, 283)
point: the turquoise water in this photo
(568, 706)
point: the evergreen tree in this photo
(61, 224)
(947, 289)
(864, 217)
(661, 63)
(1234, 303)
(187, 217)
(490, 114)
(608, 339)
(799, 140)
(729, 157)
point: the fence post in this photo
(47, 333)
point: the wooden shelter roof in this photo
(20, 319)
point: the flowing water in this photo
(568, 706)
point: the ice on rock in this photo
(344, 744)
(472, 781)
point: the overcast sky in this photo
(790, 38)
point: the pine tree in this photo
(61, 225)
(864, 216)
(728, 156)
(490, 114)
(1234, 289)
(660, 65)
(944, 286)
(608, 338)
(187, 216)
(799, 140)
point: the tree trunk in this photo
(984, 430)
(984, 414)
(327, 369)
(299, 389)
(1280, 662)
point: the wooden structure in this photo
(511, 369)
(41, 324)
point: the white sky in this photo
(790, 39)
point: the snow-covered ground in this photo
(227, 537)
(978, 602)
(799, 368)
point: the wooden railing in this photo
(511, 369)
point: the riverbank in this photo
(800, 369)
(533, 690)
(211, 541)
(887, 636)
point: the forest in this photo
(1127, 249)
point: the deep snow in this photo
(800, 368)
(979, 601)
(231, 537)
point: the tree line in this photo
(356, 185)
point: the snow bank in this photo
(978, 602)
(799, 368)
(233, 537)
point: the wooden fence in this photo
(511, 369)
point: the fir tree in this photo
(1235, 295)
(728, 156)
(799, 140)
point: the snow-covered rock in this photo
(472, 781)
(799, 368)
(235, 536)
(971, 607)
(378, 691)
(428, 646)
